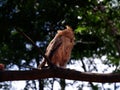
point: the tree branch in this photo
(59, 73)
(33, 43)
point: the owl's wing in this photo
(53, 46)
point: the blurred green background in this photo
(96, 25)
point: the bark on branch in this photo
(59, 73)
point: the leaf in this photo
(80, 29)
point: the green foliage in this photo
(80, 29)
(40, 19)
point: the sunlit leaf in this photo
(80, 29)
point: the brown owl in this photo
(59, 49)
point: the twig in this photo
(33, 43)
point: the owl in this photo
(59, 49)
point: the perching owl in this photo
(59, 49)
